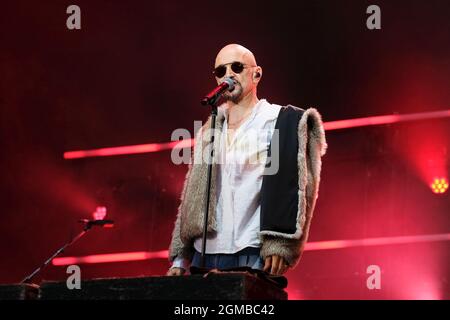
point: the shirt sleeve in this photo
(180, 262)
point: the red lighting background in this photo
(86, 118)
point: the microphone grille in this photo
(230, 83)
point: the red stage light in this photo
(111, 257)
(99, 213)
(310, 246)
(134, 149)
(439, 185)
(187, 143)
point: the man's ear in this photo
(257, 74)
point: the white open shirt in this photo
(239, 182)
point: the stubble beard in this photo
(235, 96)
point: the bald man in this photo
(257, 219)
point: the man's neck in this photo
(238, 110)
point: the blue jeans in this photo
(248, 257)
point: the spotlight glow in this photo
(439, 185)
(99, 213)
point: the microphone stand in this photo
(213, 104)
(87, 227)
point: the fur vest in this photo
(288, 197)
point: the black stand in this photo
(213, 104)
(86, 228)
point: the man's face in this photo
(244, 83)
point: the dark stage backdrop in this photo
(135, 72)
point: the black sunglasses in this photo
(236, 66)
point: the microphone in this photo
(99, 223)
(227, 84)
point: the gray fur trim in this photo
(189, 222)
(177, 248)
(288, 249)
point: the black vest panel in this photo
(279, 192)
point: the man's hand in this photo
(175, 272)
(275, 265)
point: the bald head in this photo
(235, 52)
(246, 78)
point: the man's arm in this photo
(179, 253)
(278, 249)
(275, 265)
(279, 253)
(179, 267)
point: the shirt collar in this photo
(256, 108)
